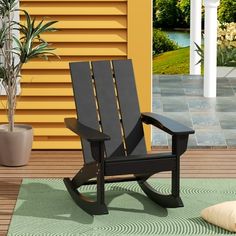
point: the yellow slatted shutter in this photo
(88, 30)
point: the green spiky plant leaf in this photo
(31, 33)
(226, 55)
(200, 52)
(3, 35)
(7, 6)
(3, 73)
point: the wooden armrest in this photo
(84, 131)
(166, 124)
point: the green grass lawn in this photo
(173, 62)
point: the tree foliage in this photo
(166, 13)
(176, 13)
(227, 11)
(183, 7)
(154, 16)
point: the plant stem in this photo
(10, 78)
(10, 115)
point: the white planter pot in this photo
(226, 72)
(15, 147)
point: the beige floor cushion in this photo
(223, 215)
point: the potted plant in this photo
(19, 43)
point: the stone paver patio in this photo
(181, 98)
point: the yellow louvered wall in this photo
(88, 30)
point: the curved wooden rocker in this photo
(110, 126)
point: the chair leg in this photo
(97, 207)
(175, 182)
(170, 201)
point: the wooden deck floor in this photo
(209, 163)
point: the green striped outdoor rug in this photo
(45, 208)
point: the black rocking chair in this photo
(110, 127)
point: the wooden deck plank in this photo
(204, 163)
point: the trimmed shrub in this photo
(161, 42)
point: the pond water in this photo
(180, 37)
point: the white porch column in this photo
(210, 47)
(195, 35)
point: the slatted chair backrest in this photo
(106, 99)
